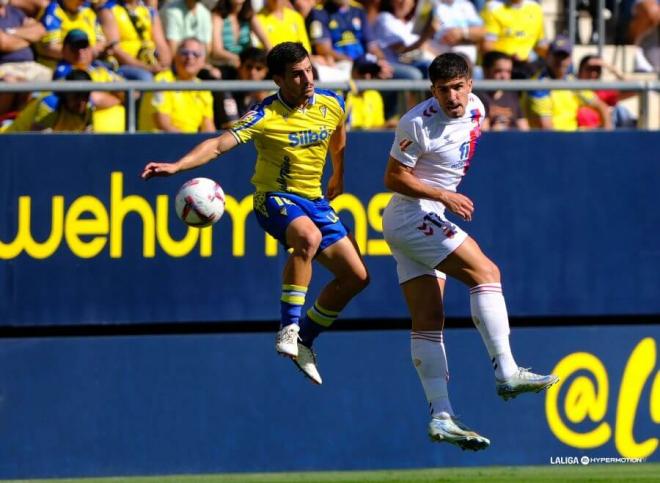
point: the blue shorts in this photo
(275, 211)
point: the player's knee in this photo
(356, 281)
(361, 280)
(489, 272)
(307, 243)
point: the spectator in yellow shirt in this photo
(141, 49)
(515, 27)
(554, 109)
(56, 112)
(365, 109)
(283, 24)
(77, 53)
(59, 18)
(179, 111)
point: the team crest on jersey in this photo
(357, 23)
(324, 111)
(248, 119)
(405, 144)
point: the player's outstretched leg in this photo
(343, 260)
(468, 264)
(523, 381)
(490, 316)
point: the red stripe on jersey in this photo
(474, 137)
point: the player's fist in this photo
(458, 204)
(159, 169)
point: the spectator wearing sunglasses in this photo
(139, 42)
(179, 111)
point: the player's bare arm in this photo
(200, 155)
(400, 178)
(337, 147)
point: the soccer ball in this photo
(200, 202)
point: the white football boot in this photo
(286, 342)
(306, 362)
(523, 381)
(445, 428)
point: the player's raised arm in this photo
(337, 148)
(400, 179)
(200, 155)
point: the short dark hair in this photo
(223, 8)
(78, 75)
(449, 66)
(490, 58)
(255, 54)
(285, 54)
(585, 60)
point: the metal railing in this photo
(131, 88)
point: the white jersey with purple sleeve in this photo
(438, 147)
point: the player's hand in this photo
(458, 204)
(335, 187)
(159, 169)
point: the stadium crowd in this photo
(190, 40)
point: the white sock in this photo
(491, 319)
(430, 360)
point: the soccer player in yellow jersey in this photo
(293, 130)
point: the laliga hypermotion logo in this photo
(581, 399)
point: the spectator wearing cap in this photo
(179, 111)
(139, 41)
(59, 18)
(515, 27)
(558, 109)
(77, 53)
(57, 112)
(17, 32)
(184, 19)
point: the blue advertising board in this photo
(156, 405)
(571, 220)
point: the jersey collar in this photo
(310, 101)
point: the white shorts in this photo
(419, 236)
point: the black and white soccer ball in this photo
(200, 202)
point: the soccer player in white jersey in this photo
(434, 144)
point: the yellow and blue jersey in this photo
(44, 112)
(133, 34)
(291, 143)
(58, 22)
(560, 105)
(346, 28)
(514, 29)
